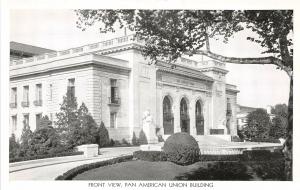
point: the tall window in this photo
(38, 118)
(114, 89)
(25, 102)
(26, 120)
(38, 94)
(114, 92)
(113, 119)
(13, 101)
(14, 122)
(50, 92)
(229, 110)
(71, 87)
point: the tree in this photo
(45, 139)
(279, 122)
(169, 34)
(103, 136)
(26, 141)
(86, 131)
(67, 118)
(258, 125)
(76, 126)
(13, 147)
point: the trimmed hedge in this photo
(19, 159)
(270, 140)
(69, 175)
(248, 155)
(234, 157)
(152, 156)
(263, 155)
(182, 149)
(218, 171)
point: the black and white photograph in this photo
(148, 97)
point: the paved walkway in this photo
(49, 169)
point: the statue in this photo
(149, 128)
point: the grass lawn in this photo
(144, 170)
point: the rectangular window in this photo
(38, 92)
(13, 97)
(50, 92)
(25, 102)
(14, 122)
(114, 91)
(38, 95)
(113, 118)
(38, 118)
(26, 93)
(26, 120)
(71, 86)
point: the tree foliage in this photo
(258, 125)
(280, 121)
(76, 126)
(13, 146)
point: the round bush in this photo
(182, 149)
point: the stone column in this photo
(192, 107)
(176, 109)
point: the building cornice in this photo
(71, 63)
(184, 71)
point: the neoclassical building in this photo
(118, 85)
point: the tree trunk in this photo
(288, 146)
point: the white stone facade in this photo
(117, 66)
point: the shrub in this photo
(182, 149)
(234, 157)
(152, 156)
(13, 147)
(45, 140)
(269, 140)
(134, 140)
(26, 142)
(124, 142)
(142, 138)
(103, 138)
(218, 171)
(269, 170)
(257, 155)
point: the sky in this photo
(259, 85)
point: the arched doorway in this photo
(199, 118)
(168, 118)
(184, 116)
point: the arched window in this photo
(168, 118)
(199, 118)
(184, 116)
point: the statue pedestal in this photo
(149, 131)
(149, 128)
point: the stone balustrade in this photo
(78, 50)
(94, 47)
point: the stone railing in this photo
(115, 42)
(201, 64)
(78, 50)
